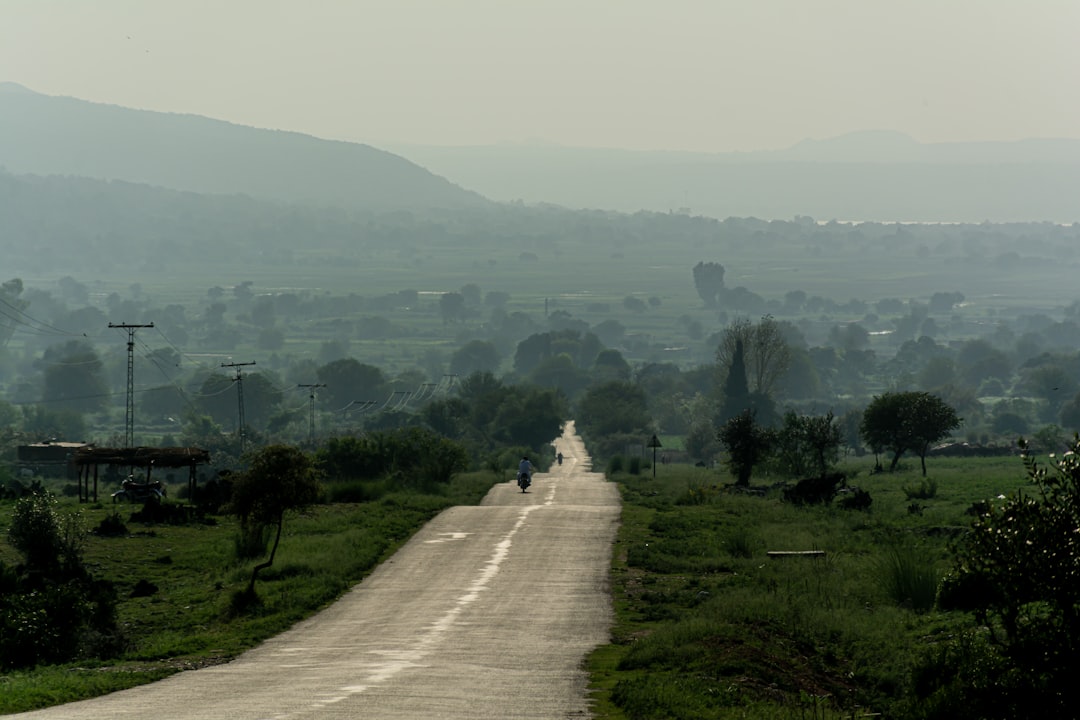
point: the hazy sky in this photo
(712, 75)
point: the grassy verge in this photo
(710, 626)
(175, 583)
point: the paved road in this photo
(486, 613)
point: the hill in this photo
(45, 135)
(875, 176)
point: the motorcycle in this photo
(133, 491)
(559, 458)
(524, 481)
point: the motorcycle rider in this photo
(525, 468)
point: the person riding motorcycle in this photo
(525, 468)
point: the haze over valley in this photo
(821, 256)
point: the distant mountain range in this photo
(878, 175)
(882, 176)
(46, 135)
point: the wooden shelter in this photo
(88, 459)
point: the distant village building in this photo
(51, 458)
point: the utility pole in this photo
(311, 413)
(129, 417)
(239, 400)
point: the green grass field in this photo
(708, 625)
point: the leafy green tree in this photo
(560, 372)
(1018, 571)
(611, 365)
(348, 379)
(279, 479)
(747, 444)
(217, 398)
(701, 442)
(74, 377)
(52, 610)
(475, 356)
(530, 416)
(903, 421)
(613, 407)
(807, 445)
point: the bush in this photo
(635, 466)
(615, 465)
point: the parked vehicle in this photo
(133, 491)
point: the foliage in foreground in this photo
(174, 584)
(1018, 571)
(52, 609)
(709, 626)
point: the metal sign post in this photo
(654, 442)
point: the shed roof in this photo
(142, 456)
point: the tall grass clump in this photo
(740, 543)
(925, 490)
(908, 577)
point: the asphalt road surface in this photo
(487, 612)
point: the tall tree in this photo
(74, 377)
(452, 307)
(736, 391)
(767, 354)
(709, 282)
(279, 479)
(747, 444)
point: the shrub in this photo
(34, 531)
(615, 465)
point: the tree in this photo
(475, 356)
(347, 380)
(767, 353)
(613, 407)
(902, 421)
(709, 282)
(73, 377)
(280, 479)
(747, 444)
(1018, 571)
(452, 307)
(736, 392)
(807, 445)
(611, 365)
(530, 416)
